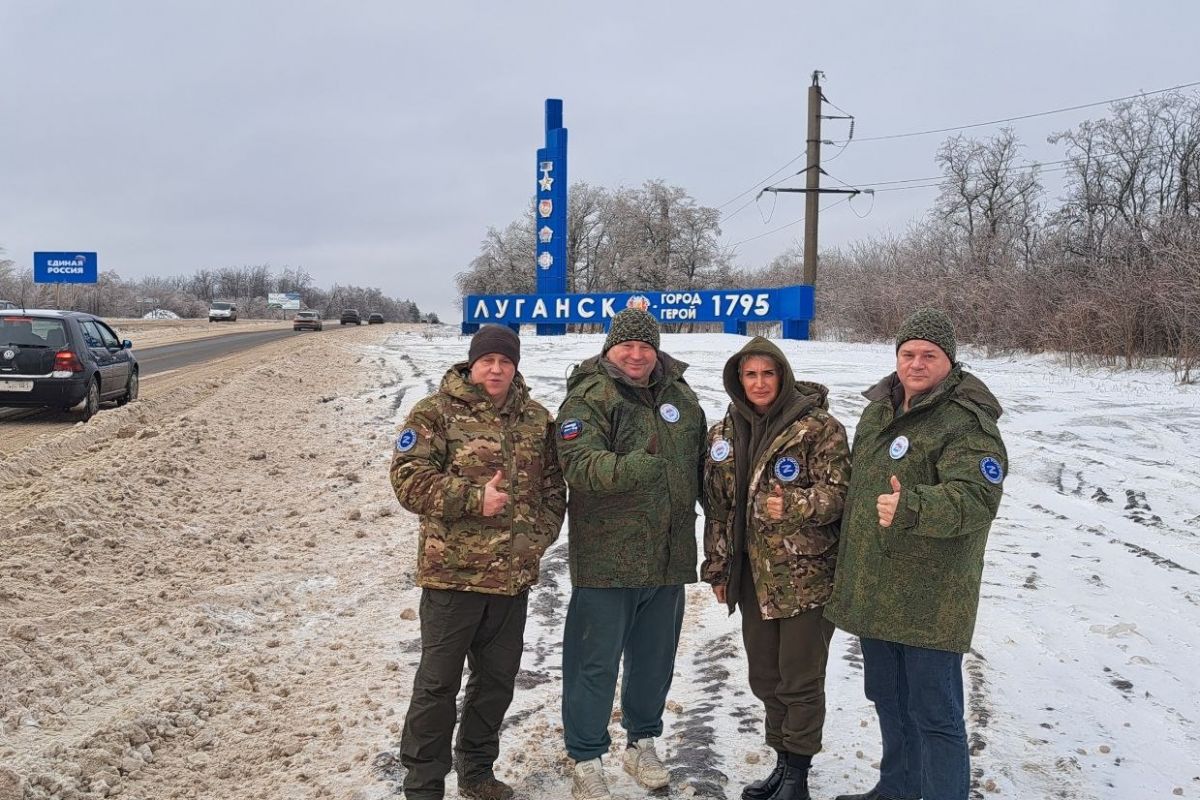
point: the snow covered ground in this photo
(1083, 677)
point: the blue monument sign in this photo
(552, 308)
(551, 216)
(731, 307)
(73, 266)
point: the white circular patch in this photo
(899, 447)
(669, 412)
(719, 450)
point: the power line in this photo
(1041, 165)
(760, 183)
(786, 225)
(1026, 116)
(955, 128)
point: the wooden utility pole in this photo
(812, 200)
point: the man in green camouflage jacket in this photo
(631, 439)
(776, 475)
(928, 471)
(477, 462)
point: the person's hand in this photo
(719, 590)
(887, 503)
(652, 445)
(494, 500)
(775, 503)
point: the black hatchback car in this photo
(64, 359)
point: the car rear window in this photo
(32, 332)
(308, 314)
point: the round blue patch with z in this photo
(787, 468)
(992, 470)
(406, 440)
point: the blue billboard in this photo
(793, 305)
(72, 266)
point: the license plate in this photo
(16, 386)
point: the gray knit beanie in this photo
(632, 325)
(495, 339)
(931, 325)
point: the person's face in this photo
(760, 382)
(635, 359)
(921, 365)
(494, 372)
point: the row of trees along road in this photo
(190, 296)
(1108, 270)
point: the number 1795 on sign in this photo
(758, 305)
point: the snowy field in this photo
(1083, 678)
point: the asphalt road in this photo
(170, 357)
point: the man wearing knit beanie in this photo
(476, 461)
(930, 325)
(631, 440)
(927, 475)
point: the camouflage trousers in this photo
(786, 659)
(488, 632)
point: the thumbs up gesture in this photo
(775, 503)
(494, 500)
(887, 503)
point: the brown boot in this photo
(484, 788)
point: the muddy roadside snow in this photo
(201, 593)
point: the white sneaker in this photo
(589, 781)
(642, 762)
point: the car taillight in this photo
(66, 361)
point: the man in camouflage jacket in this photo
(775, 476)
(631, 438)
(928, 470)
(477, 462)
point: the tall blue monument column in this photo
(551, 213)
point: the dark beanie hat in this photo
(495, 339)
(931, 325)
(632, 325)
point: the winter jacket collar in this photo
(457, 384)
(959, 384)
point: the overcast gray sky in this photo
(374, 142)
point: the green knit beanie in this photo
(632, 325)
(931, 325)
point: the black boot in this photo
(762, 790)
(873, 794)
(794, 784)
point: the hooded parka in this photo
(797, 448)
(917, 582)
(631, 456)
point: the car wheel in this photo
(131, 390)
(91, 403)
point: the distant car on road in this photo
(375, 318)
(64, 359)
(306, 321)
(222, 311)
(350, 317)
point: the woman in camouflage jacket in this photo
(775, 477)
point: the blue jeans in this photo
(918, 695)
